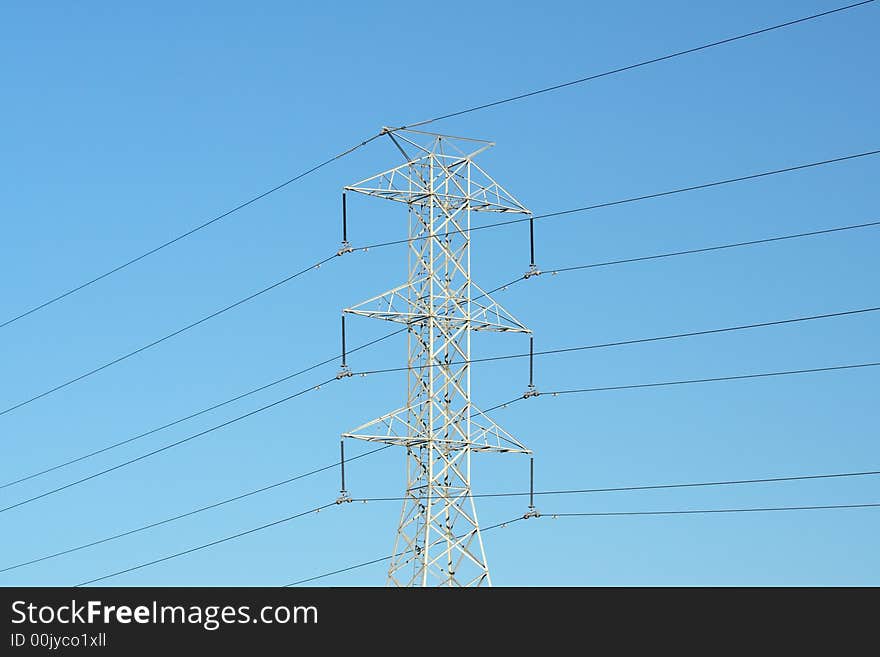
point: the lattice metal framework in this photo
(438, 537)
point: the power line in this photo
(388, 557)
(616, 489)
(717, 183)
(619, 343)
(691, 334)
(677, 512)
(634, 199)
(207, 545)
(139, 350)
(500, 287)
(195, 414)
(188, 233)
(166, 447)
(491, 527)
(719, 247)
(419, 123)
(574, 491)
(714, 379)
(554, 393)
(190, 513)
(705, 249)
(494, 225)
(545, 90)
(630, 67)
(485, 359)
(611, 513)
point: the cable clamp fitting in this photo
(344, 372)
(532, 513)
(344, 248)
(533, 271)
(344, 497)
(531, 392)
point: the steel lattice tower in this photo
(438, 537)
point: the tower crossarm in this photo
(408, 304)
(402, 427)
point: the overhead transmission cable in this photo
(619, 343)
(727, 329)
(674, 254)
(449, 115)
(491, 527)
(164, 448)
(173, 334)
(404, 241)
(738, 377)
(636, 65)
(391, 556)
(233, 537)
(611, 513)
(467, 110)
(673, 336)
(660, 384)
(678, 512)
(203, 546)
(193, 512)
(186, 234)
(570, 491)
(552, 393)
(630, 199)
(194, 414)
(618, 489)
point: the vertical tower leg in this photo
(438, 536)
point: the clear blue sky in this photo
(124, 126)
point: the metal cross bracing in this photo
(438, 537)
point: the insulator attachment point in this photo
(344, 497)
(344, 372)
(532, 513)
(344, 248)
(533, 271)
(531, 392)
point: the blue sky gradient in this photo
(126, 125)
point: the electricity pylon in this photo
(438, 536)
